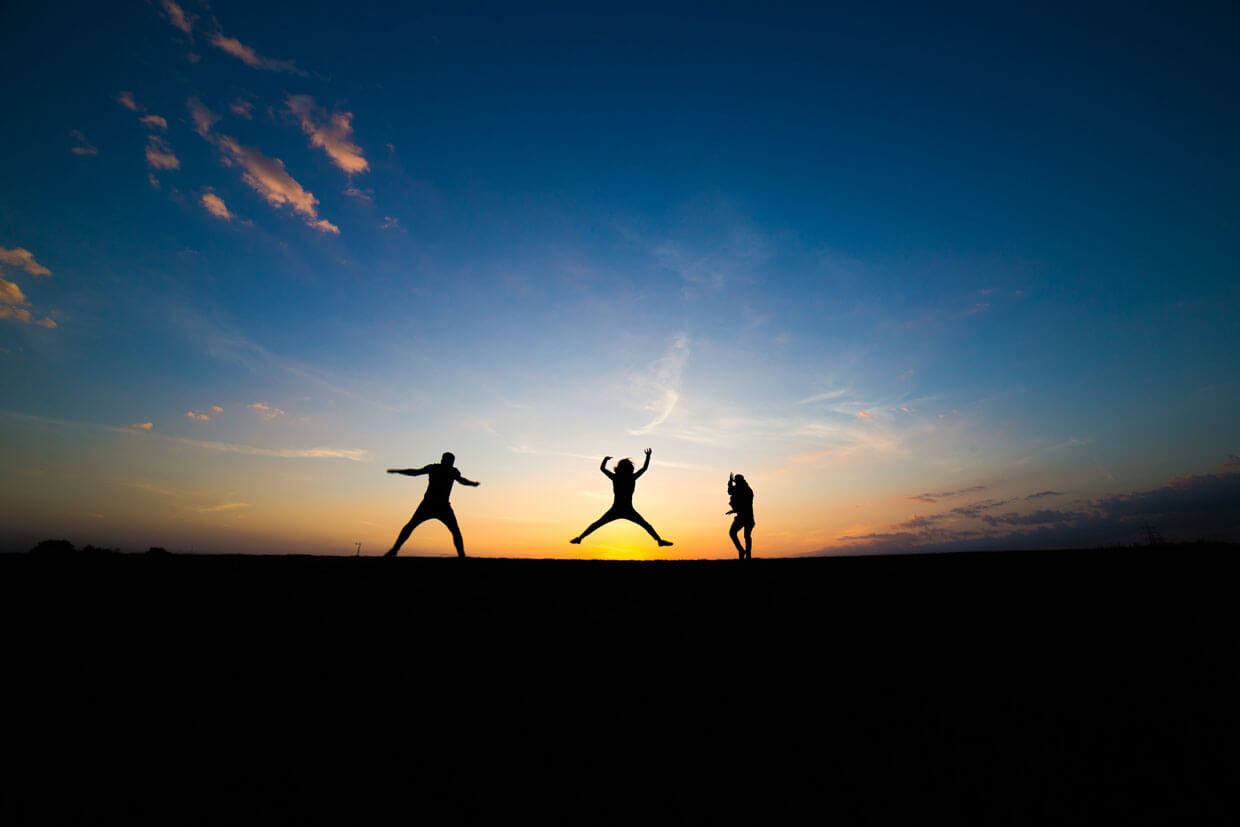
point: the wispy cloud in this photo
(661, 383)
(198, 417)
(177, 16)
(202, 117)
(13, 302)
(83, 147)
(153, 122)
(1040, 494)
(331, 133)
(242, 108)
(268, 177)
(215, 205)
(126, 100)
(159, 154)
(23, 259)
(358, 455)
(351, 454)
(248, 56)
(935, 496)
(268, 411)
(223, 507)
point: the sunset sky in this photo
(931, 279)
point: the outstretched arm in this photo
(464, 481)
(408, 472)
(602, 466)
(645, 465)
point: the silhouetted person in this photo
(623, 481)
(434, 505)
(740, 497)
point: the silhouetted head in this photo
(448, 459)
(741, 479)
(625, 467)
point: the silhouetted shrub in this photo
(53, 547)
(158, 551)
(89, 549)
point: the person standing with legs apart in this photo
(434, 505)
(740, 497)
(623, 483)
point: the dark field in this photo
(1067, 687)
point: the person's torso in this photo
(440, 484)
(623, 489)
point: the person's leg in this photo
(416, 520)
(736, 527)
(601, 521)
(633, 516)
(749, 541)
(448, 517)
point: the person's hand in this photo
(647, 452)
(730, 476)
(393, 471)
(606, 458)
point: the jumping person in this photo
(623, 481)
(740, 497)
(434, 505)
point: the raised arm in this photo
(645, 465)
(408, 472)
(602, 466)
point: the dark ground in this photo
(1064, 687)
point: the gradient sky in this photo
(952, 278)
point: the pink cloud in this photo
(249, 57)
(178, 17)
(126, 100)
(215, 205)
(24, 259)
(153, 122)
(330, 133)
(159, 155)
(84, 146)
(198, 417)
(202, 117)
(269, 178)
(143, 426)
(268, 411)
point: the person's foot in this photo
(392, 553)
(665, 542)
(576, 541)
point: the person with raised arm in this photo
(740, 497)
(434, 505)
(623, 482)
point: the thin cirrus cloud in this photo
(223, 507)
(662, 384)
(215, 205)
(268, 411)
(126, 100)
(266, 176)
(331, 133)
(153, 122)
(198, 417)
(249, 57)
(242, 108)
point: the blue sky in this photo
(859, 255)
